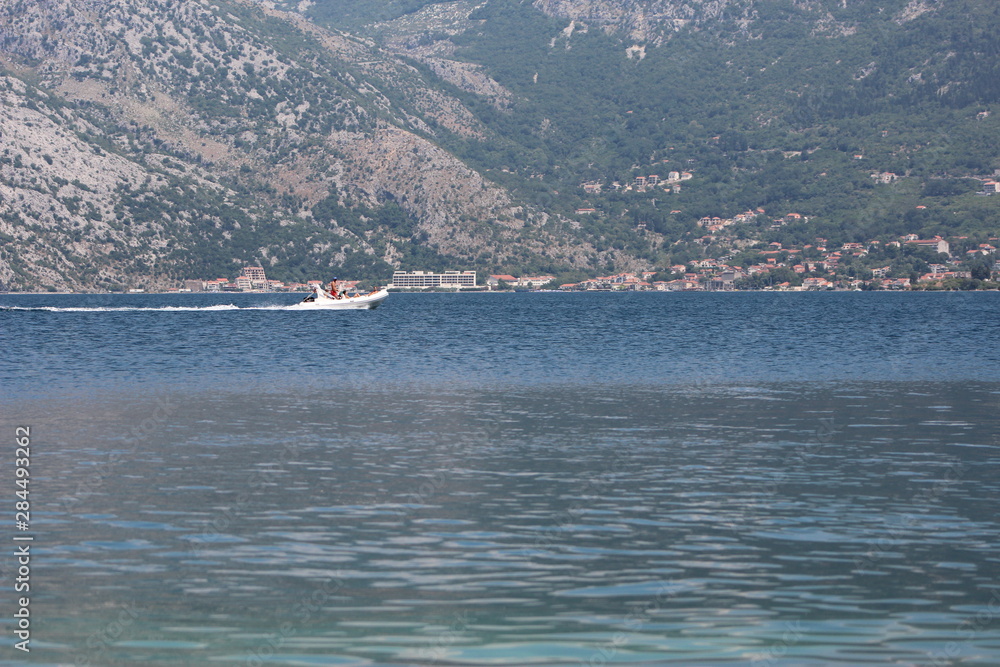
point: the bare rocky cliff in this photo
(252, 114)
(645, 21)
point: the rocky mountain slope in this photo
(145, 142)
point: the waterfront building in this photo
(255, 279)
(495, 279)
(534, 281)
(254, 273)
(428, 279)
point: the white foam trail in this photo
(162, 309)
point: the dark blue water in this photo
(500, 339)
(507, 479)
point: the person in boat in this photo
(334, 288)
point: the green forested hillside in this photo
(907, 97)
(791, 111)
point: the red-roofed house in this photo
(495, 279)
(816, 283)
(937, 244)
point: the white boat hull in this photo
(322, 301)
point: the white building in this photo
(535, 281)
(255, 279)
(427, 279)
(937, 244)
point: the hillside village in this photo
(737, 259)
(955, 263)
(819, 265)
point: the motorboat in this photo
(322, 300)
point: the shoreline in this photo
(813, 291)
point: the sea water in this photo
(506, 479)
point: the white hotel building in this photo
(427, 280)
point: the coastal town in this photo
(905, 263)
(873, 265)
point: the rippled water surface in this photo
(509, 479)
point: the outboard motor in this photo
(312, 297)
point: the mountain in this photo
(145, 142)
(148, 142)
(790, 107)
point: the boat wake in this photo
(127, 309)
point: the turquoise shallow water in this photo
(608, 479)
